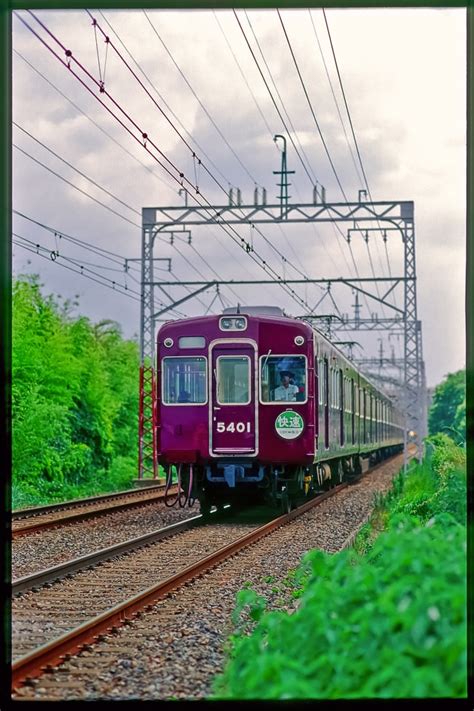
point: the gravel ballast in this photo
(175, 649)
(44, 549)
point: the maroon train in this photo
(254, 404)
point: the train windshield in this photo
(283, 378)
(184, 380)
(233, 377)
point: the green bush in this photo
(385, 619)
(390, 624)
(437, 485)
(74, 401)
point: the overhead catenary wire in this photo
(242, 73)
(271, 133)
(270, 74)
(49, 254)
(181, 177)
(162, 99)
(269, 242)
(54, 256)
(91, 180)
(100, 128)
(243, 242)
(350, 121)
(160, 96)
(334, 97)
(286, 127)
(60, 233)
(110, 209)
(94, 249)
(198, 99)
(325, 146)
(311, 106)
(87, 177)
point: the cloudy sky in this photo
(80, 174)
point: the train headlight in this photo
(168, 342)
(233, 324)
(299, 340)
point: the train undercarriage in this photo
(281, 487)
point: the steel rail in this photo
(62, 648)
(19, 514)
(56, 572)
(32, 526)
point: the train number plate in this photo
(233, 427)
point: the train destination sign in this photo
(289, 424)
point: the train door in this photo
(353, 408)
(364, 416)
(326, 403)
(233, 426)
(341, 405)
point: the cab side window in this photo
(283, 379)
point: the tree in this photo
(448, 411)
(74, 399)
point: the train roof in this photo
(256, 311)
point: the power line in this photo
(334, 97)
(75, 240)
(243, 76)
(45, 252)
(199, 100)
(67, 64)
(349, 116)
(63, 160)
(310, 105)
(54, 256)
(283, 121)
(97, 185)
(105, 254)
(271, 133)
(272, 97)
(313, 177)
(137, 160)
(160, 96)
(76, 187)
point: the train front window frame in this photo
(268, 382)
(177, 382)
(220, 380)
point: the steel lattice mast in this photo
(396, 217)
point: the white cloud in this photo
(404, 75)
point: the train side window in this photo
(320, 381)
(233, 378)
(283, 379)
(184, 380)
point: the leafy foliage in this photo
(448, 410)
(386, 619)
(74, 400)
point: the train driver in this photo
(287, 390)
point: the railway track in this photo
(26, 521)
(85, 594)
(90, 629)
